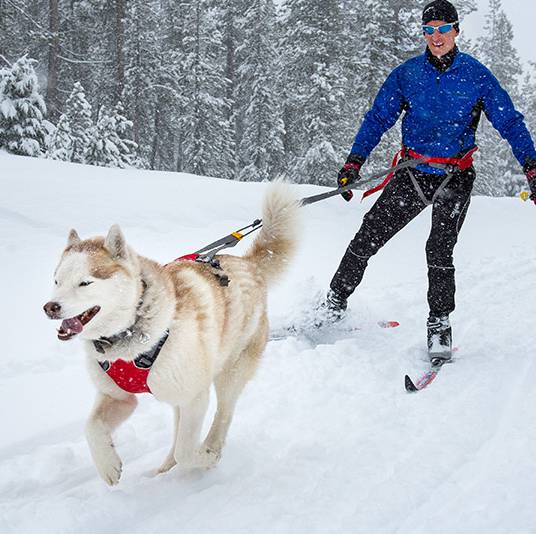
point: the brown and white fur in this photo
(217, 334)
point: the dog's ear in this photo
(73, 238)
(115, 243)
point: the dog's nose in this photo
(52, 309)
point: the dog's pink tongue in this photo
(74, 325)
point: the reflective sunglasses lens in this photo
(445, 28)
(429, 30)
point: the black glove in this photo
(530, 171)
(349, 174)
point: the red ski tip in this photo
(388, 324)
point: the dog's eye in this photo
(55, 282)
(84, 284)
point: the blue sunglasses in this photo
(444, 28)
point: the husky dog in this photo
(124, 305)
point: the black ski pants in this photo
(407, 194)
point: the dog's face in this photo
(96, 287)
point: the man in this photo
(442, 93)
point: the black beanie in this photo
(439, 10)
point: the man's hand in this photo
(349, 174)
(530, 172)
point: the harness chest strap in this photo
(462, 163)
(131, 376)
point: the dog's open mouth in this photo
(73, 326)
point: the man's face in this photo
(440, 43)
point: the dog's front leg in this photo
(188, 436)
(108, 413)
(170, 462)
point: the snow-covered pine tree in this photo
(232, 29)
(78, 115)
(144, 62)
(109, 146)
(314, 85)
(384, 45)
(101, 150)
(22, 110)
(61, 142)
(261, 147)
(495, 160)
(126, 147)
(466, 44)
(207, 137)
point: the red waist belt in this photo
(462, 163)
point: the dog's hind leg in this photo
(170, 461)
(108, 413)
(186, 452)
(229, 385)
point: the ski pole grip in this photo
(347, 195)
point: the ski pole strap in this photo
(462, 163)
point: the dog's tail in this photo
(275, 245)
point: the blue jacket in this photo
(440, 110)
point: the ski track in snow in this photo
(325, 438)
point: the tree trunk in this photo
(120, 48)
(3, 32)
(53, 59)
(156, 134)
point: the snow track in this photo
(325, 438)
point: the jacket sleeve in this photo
(383, 115)
(509, 122)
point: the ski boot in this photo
(439, 339)
(331, 311)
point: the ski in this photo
(427, 378)
(388, 324)
(292, 331)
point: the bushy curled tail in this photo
(277, 241)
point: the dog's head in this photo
(96, 286)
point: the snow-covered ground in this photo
(325, 439)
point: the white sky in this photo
(522, 15)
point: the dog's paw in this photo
(109, 466)
(207, 458)
(202, 458)
(168, 464)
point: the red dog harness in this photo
(132, 376)
(462, 163)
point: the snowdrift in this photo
(325, 439)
